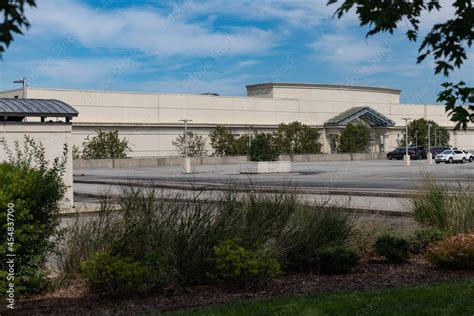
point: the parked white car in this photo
(450, 156)
(469, 156)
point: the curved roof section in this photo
(367, 114)
(318, 86)
(36, 107)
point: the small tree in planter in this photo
(196, 145)
(263, 148)
(106, 145)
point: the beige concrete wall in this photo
(12, 93)
(336, 95)
(151, 121)
(52, 136)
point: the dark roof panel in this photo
(36, 107)
(365, 113)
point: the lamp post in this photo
(428, 155)
(407, 157)
(416, 138)
(187, 161)
(250, 137)
(436, 132)
(24, 83)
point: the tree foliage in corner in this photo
(446, 42)
(106, 145)
(419, 129)
(12, 20)
(297, 138)
(355, 138)
(196, 145)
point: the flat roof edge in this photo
(319, 85)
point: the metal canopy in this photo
(367, 114)
(36, 107)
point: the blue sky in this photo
(193, 46)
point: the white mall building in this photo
(151, 121)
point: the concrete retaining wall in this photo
(156, 162)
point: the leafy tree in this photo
(263, 148)
(446, 42)
(106, 145)
(12, 19)
(196, 145)
(419, 128)
(222, 141)
(241, 145)
(355, 138)
(297, 138)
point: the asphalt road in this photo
(381, 175)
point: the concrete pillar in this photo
(187, 165)
(406, 158)
(430, 159)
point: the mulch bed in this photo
(370, 275)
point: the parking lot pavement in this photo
(374, 175)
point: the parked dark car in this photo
(422, 151)
(400, 152)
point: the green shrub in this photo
(115, 275)
(456, 252)
(393, 248)
(310, 229)
(297, 138)
(183, 234)
(33, 189)
(235, 264)
(424, 238)
(196, 145)
(105, 145)
(448, 209)
(263, 148)
(355, 138)
(336, 260)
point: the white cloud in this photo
(80, 71)
(145, 30)
(345, 49)
(248, 63)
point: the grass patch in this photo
(441, 299)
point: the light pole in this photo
(24, 83)
(436, 132)
(416, 138)
(250, 137)
(428, 155)
(187, 161)
(407, 158)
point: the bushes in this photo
(115, 275)
(297, 138)
(336, 260)
(455, 252)
(355, 138)
(309, 230)
(450, 210)
(394, 249)
(263, 148)
(424, 238)
(33, 188)
(181, 243)
(235, 264)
